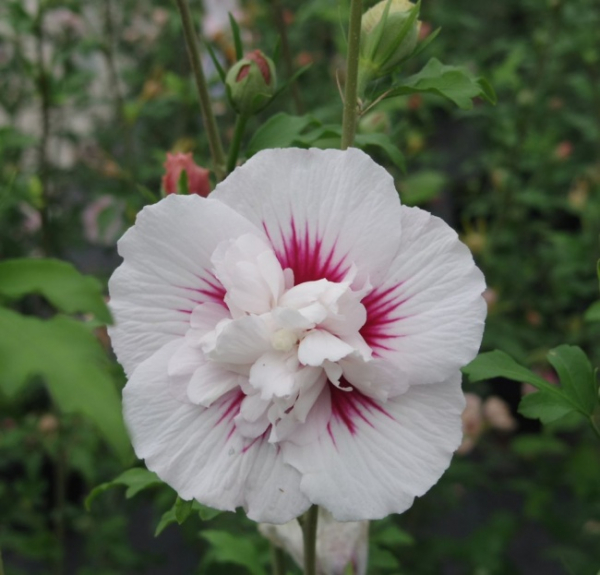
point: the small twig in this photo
(208, 117)
(277, 560)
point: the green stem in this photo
(595, 421)
(277, 560)
(208, 117)
(238, 134)
(309, 532)
(351, 90)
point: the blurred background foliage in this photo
(93, 93)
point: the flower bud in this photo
(338, 544)
(389, 34)
(251, 83)
(197, 177)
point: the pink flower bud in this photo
(258, 57)
(198, 182)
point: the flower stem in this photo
(351, 89)
(208, 117)
(309, 532)
(238, 134)
(277, 560)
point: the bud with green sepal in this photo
(389, 34)
(251, 83)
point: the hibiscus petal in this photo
(375, 458)
(427, 316)
(199, 452)
(166, 272)
(323, 210)
(319, 346)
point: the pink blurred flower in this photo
(472, 423)
(198, 181)
(498, 415)
(103, 220)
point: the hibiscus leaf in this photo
(576, 376)
(135, 480)
(279, 131)
(499, 364)
(383, 142)
(544, 406)
(422, 187)
(237, 37)
(168, 517)
(73, 365)
(205, 513)
(455, 83)
(59, 282)
(227, 548)
(183, 509)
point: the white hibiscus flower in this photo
(296, 339)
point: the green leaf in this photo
(205, 513)
(183, 510)
(228, 548)
(74, 367)
(237, 38)
(422, 187)
(576, 376)
(383, 142)
(279, 131)
(454, 83)
(215, 61)
(499, 364)
(135, 480)
(168, 517)
(534, 445)
(593, 312)
(544, 406)
(59, 282)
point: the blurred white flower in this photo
(338, 544)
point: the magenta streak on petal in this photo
(307, 257)
(259, 438)
(347, 406)
(234, 398)
(381, 307)
(213, 292)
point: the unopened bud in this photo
(389, 34)
(251, 83)
(197, 177)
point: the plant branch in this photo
(208, 117)
(309, 533)
(351, 90)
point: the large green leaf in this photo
(135, 480)
(59, 282)
(73, 364)
(181, 511)
(279, 131)
(593, 312)
(454, 83)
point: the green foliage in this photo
(59, 282)
(73, 365)
(231, 549)
(578, 391)
(454, 83)
(135, 480)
